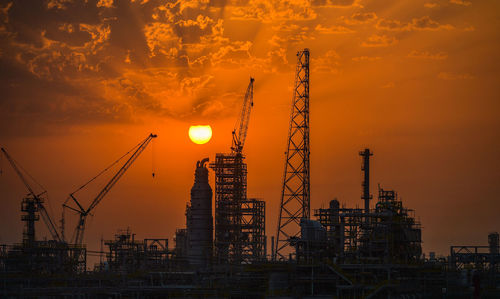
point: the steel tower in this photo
(365, 167)
(295, 195)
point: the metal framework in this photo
(83, 213)
(31, 204)
(230, 192)
(241, 128)
(479, 257)
(125, 254)
(387, 234)
(295, 195)
(253, 224)
(34, 256)
(239, 222)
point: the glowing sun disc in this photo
(200, 134)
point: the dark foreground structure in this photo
(342, 253)
(334, 252)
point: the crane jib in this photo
(79, 230)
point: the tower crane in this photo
(37, 198)
(241, 127)
(83, 213)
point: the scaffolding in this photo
(239, 222)
(127, 255)
(387, 234)
(253, 223)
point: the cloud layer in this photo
(77, 62)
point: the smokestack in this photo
(365, 167)
(200, 222)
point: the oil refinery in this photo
(223, 250)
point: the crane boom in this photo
(80, 229)
(241, 128)
(45, 215)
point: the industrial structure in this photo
(296, 190)
(338, 252)
(199, 219)
(239, 221)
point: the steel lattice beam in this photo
(295, 195)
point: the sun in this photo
(200, 134)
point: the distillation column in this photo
(199, 218)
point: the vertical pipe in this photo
(365, 154)
(272, 248)
(265, 249)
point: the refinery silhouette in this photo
(223, 251)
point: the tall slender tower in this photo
(365, 167)
(295, 195)
(199, 219)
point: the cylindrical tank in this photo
(200, 222)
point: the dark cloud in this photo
(375, 41)
(422, 23)
(63, 60)
(363, 17)
(335, 3)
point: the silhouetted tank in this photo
(199, 218)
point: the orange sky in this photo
(82, 82)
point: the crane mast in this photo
(241, 127)
(36, 197)
(83, 213)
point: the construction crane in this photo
(37, 199)
(241, 127)
(83, 213)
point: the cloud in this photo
(161, 39)
(416, 24)
(359, 18)
(277, 60)
(427, 55)
(4, 13)
(125, 59)
(426, 23)
(164, 93)
(136, 59)
(192, 4)
(201, 21)
(337, 3)
(232, 55)
(366, 58)
(431, 5)
(326, 63)
(333, 29)
(376, 40)
(454, 76)
(58, 4)
(290, 35)
(461, 2)
(105, 3)
(273, 11)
